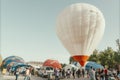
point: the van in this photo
(46, 71)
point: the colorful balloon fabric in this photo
(12, 59)
(80, 28)
(52, 63)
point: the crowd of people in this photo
(69, 73)
(91, 74)
(27, 73)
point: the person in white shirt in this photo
(27, 74)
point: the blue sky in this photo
(28, 28)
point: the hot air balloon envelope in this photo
(52, 63)
(12, 59)
(80, 28)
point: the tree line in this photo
(108, 58)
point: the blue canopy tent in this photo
(94, 65)
(23, 67)
(17, 65)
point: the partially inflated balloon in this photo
(52, 63)
(80, 28)
(0, 59)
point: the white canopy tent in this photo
(70, 66)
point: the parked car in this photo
(46, 71)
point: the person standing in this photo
(17, 72)
(83, 73)
(56, 71)
(106, 71)
(68, 73)
(91, 73)
(63, 73)
(60, 73)
(96, 74)
(78, 73)
(27, 74)
(73, 73)
(102, 75)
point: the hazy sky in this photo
(28, 28)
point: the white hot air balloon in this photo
(80, 28)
